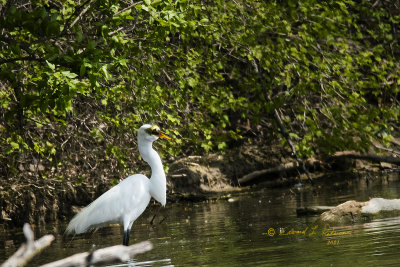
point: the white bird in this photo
(126, 201)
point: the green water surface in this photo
(257, 227)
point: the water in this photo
(236, 231)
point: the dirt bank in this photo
(34, 199)
(191, 178)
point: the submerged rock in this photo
(353, 211)
(347, 212)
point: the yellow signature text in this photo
(333, 242)
(325, 231)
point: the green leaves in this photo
(88, 74)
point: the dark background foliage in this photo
(78, 77)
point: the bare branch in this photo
(80, 15)
(66, 27)
(28, 250)
(129, 7)
(27, 58)
(103, 256)
(369, 157)
(287, 167)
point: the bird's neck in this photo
(158, 188)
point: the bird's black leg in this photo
(125, 242)
(155, 214)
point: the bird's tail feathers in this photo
(78, 224)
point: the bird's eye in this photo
(155, 130)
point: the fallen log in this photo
(28, 250)
(310, 163)
(369, 157)
(98, 257)
(287, 167)
(387, 149)
(118, 253)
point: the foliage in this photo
(77, 77)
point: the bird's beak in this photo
(163, 135)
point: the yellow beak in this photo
(163, 135)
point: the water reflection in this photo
(233, 233)
(133, 263)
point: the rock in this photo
(353, 211)
(348, 212)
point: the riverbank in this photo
(74, 88)
(192, 178)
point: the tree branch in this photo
(129, 7)
(281, 125)
(80, 15)
(288, 167)
(27, 58)
(369, 157)
(118, 253)
(291, 166)
(387, 149)
(28, 250)
(98, 257)
(66, 27)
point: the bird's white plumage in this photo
(125, 202)
(108, 208)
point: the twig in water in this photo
(28, 250)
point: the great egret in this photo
(126, 201)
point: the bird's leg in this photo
(125, 242)
(155, 214)
(163, 219)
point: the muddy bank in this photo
(192, 178)
(37, 200)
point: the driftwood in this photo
(387, 149)
(291, 166)
(118, 253)
(28, 250)
(369, 157)
(95, 258)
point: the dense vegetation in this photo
(78, 77)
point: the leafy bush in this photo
(77, 78)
